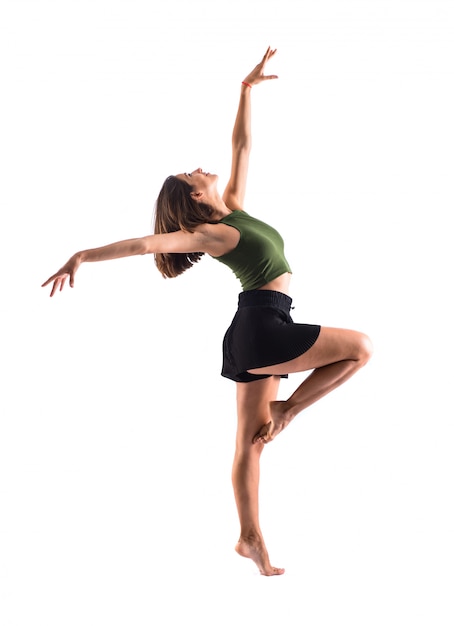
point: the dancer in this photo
(262, 344)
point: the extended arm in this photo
(241, 137)
(179, 241)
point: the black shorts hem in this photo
(262, 334)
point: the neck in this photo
(219, 206)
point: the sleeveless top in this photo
(259, 256)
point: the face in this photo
(199, 180)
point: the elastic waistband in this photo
(264, 297)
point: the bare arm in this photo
(241, 137)
(180, 241)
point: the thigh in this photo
(253, 406)
(331, 346)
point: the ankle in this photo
(251, 535)
(285, 410)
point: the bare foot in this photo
(254, 548)
(280, 419)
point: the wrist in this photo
(246, 85)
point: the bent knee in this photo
(364, 348)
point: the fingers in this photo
(268, 54)
(59, 281)
(257, 76)
(57, 286)
(49, 280)
(54, 288)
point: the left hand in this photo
(59, 278)
(257, 76)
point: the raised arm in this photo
(241, 138)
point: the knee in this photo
(248, 448)
(364, 349)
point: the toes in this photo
(263, 435)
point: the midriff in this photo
(281, 283)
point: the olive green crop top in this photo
(259, 256)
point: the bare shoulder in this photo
(218, 238)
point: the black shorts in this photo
(263, 333)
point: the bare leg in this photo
(253, 401)
(335, 357)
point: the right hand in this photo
(60, 277)
(257, 76)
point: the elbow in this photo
(144, 246)
(242, 146)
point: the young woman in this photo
(262, 343)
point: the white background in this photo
(117, 431)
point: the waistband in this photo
(264, 297)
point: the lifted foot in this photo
(280, 419)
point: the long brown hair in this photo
(176, 209)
